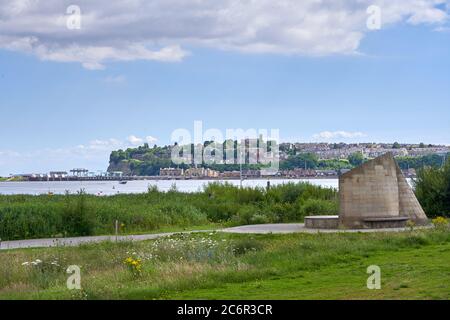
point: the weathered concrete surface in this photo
(409, 205)
(300, 228)
(322, 222)
(268, 228)
(377, 189)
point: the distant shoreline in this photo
(158, 178)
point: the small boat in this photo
(123, 182)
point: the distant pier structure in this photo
(79, 172)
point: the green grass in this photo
(30, 217)
(414, 265)
(407, 274)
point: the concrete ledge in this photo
(322, 222)
(385, 222)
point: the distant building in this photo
(378, 152)
(299, 173)
(171, 172)
(116, 174)
(212, 173)
(79, 172)
(417, 152)
(326, 173)
(201, 173)
(195, 172)
(251, 173)
(231, 174)
(57, 174)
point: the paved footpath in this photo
(282, 228)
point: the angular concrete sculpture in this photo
(377, 195)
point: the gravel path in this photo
(282, 228)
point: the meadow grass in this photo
(217, 265)
(28, 217)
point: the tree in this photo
(429, 160)
(396, 145)
(302, 160)
(356, 159)
(433, 190)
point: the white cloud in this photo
(151, 140)
(157, 30)
(332, 135)
(135, 141)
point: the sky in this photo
(72, 90)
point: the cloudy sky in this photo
(73, 88)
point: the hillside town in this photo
(368, 150)
(297, 160)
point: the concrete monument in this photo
(374, 195)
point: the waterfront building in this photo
(171, 172)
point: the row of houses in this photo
(326, 151)
(191, 173)
(206, 173)
(297, 173)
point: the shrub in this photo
(249, 215)
(313, 207)
(78, 218)
(432, 188)
(440, 222)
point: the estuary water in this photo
(106, 188)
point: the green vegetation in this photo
(414, 265)
(15, 179)
(356, 159)
(27, 217)
(334, 164)
(433, 190)
(431, 160)
(301, 160)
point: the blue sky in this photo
(58, 114)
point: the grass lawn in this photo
(414, 265)
(406, 274)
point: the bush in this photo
(440, 223)
(78, 218)
(314, 207)
(249, 215)
(432, 189)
